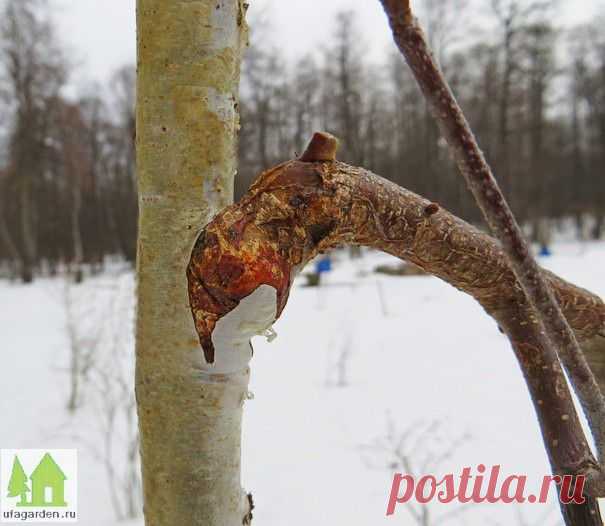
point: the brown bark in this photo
(5, 234)
(550, 326)
(304, 207)
(546, 335)
(300, 208)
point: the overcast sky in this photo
(101, 33)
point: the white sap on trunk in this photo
(231, 337)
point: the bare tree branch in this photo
(546, 323)
(550, 324)
(299, 209)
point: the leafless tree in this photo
(419, 449)
(33, 74)
(100, 335)
(520, 92)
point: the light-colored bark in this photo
(190, 418)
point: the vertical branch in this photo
(542, 335)
(188, 56)
(549, 324)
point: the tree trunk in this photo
(6, 238)
(76, 231)
(27, 232)
(190, 418)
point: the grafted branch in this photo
(301, 208)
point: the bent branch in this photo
(301, 208)
(304, 207)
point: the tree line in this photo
(67, 182)
(534, 93)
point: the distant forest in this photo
(533, 92)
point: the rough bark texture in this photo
(549, 326)
(188, 71)
(301, 208)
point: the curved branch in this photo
(302, 208)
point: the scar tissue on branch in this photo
(245, 260)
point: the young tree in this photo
(420, 448)
(186, 124)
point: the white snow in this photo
(358, 360)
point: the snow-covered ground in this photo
(358, 364)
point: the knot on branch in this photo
(323, 147)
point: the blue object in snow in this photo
(545, 251)
(323, 265)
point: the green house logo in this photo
(38, 485)
(47, 484)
